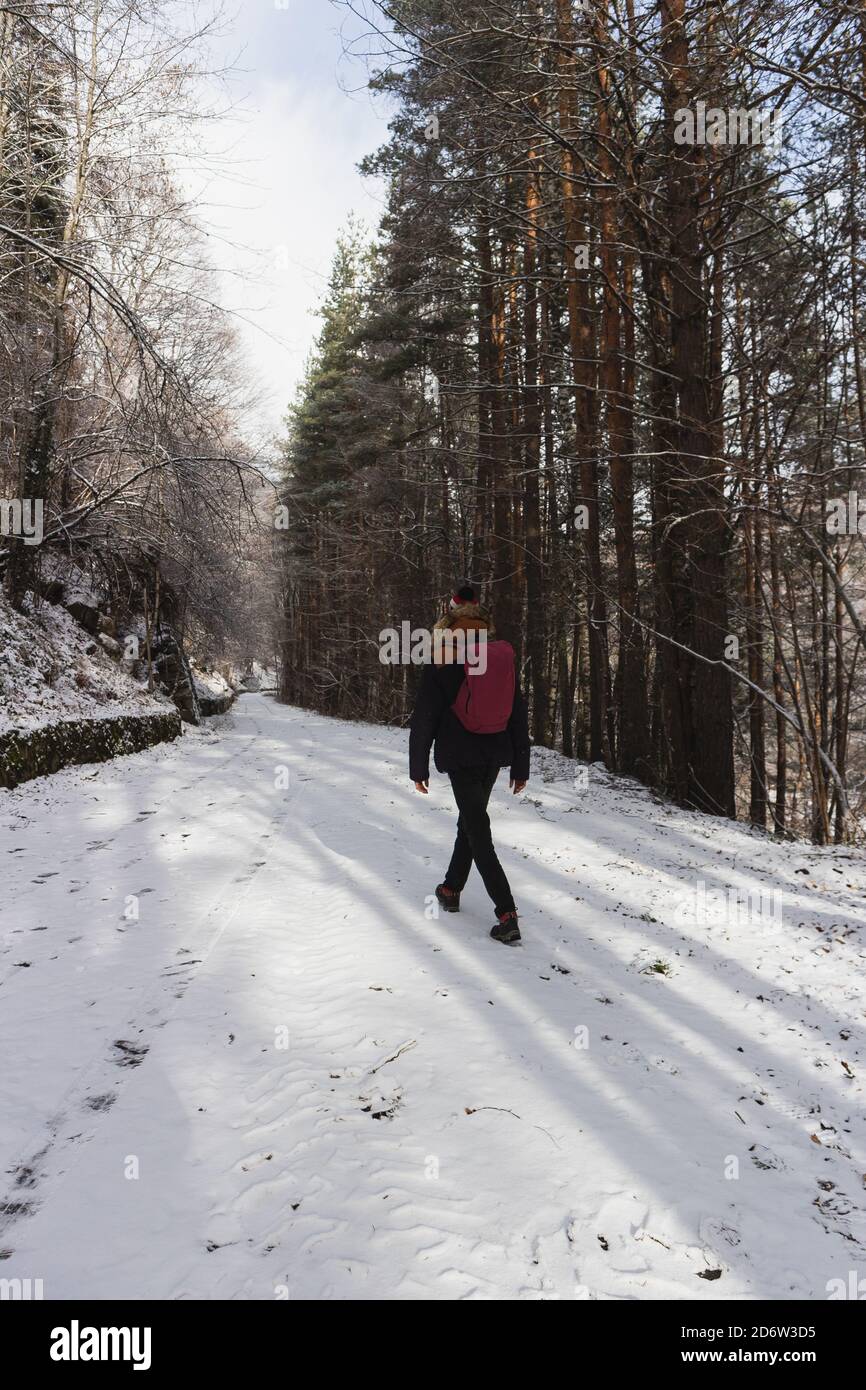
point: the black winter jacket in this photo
(433, 719)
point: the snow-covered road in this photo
(241, 1059)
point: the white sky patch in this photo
(287, 181)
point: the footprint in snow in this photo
(765, 1159)
(614, 1231)
(12, 1210)
(131, 1054)
(380, 1105)
(103, 1102)
(632, 1056)
(718, 1235)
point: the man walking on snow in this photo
(473, 711)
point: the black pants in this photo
(472, 787)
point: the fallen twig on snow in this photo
(473, 1109)
(400, 1050)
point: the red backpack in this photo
(486, 698)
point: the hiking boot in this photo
(447, 898)
(506, 929)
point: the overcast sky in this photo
(301, 123)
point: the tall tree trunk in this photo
(701, 473)
(582, 347)
(533, 563)
(631, 702)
